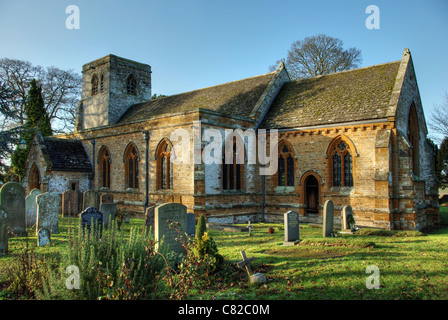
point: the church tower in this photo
(110, 85)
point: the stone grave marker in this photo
(91, 198)
(31, 207)
(149, 219)
(43, 237)
(164, 214)
(348, 222)
(328, 219)
(89, 216)
(291, 224)
(3, 232)
(107, 198)
(70, 203)
(254, 278)
(48, 211)
(191, 224)
(12, 199)
(109, 211)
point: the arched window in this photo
(413, 137)
(94, 83)
(102, 83)
(341, 160)
(164, 165)
(104, 161)
(131, 85)
(131, 166)
(232, 169)
(285, 175)
(34, 178)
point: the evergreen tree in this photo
(200, 227)
(442, 164)
(36, 118)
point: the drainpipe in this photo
(93, 163)
(145, 205)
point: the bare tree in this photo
(439, 117)
(61, 90)
(319, 55)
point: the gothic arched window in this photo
(131, 166)
(34, 178)
(104, 161)
(285, 175)
(164, 165)
(413, 137)
(232, 170)
(94, 84)
(341, 160)
(131, 85)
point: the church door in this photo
(312, 195)
(34, 180)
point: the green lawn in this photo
(411, 265)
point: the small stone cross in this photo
(245, 263)
(249, 226)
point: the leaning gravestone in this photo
(149, 219)
(48, 211)
(164, 215)
(12, 199)
(43, 237)
(3, 232)
(70, 203)
(328, 219)
(91, 216)
(31, 207)
(291, 224)
(109, 211)
(91, 198)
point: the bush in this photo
(110, 266)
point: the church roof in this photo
(237, 98)
(353, 95)
(67, 155)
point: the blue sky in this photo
(194, 44)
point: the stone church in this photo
(356, 137)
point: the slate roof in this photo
(67, 155)
(237, 98)
(353, 95)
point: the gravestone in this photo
(31, 207)
(12, 199)
(109, 211)
(3, 232)
(48, 211)
(164, 214)
(107, 198)
(347, 219)
(191, 224)
(89, 216)
(328, 219)
(91, 198)
(70, 203)
(149, 219)
(43, 237)
(291, 225)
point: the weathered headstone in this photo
(191, 224)
(12, 199)
(31, 207)
(48, 211)
(328, 219)
(164, 215)
(107, 198)
(3, 232)
(292, 230)
(91, 198)
(70, 203)
(347, 218)
(109, 211)
(43, 237)
(149, 219)
(89, 216)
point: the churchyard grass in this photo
(411, 265)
